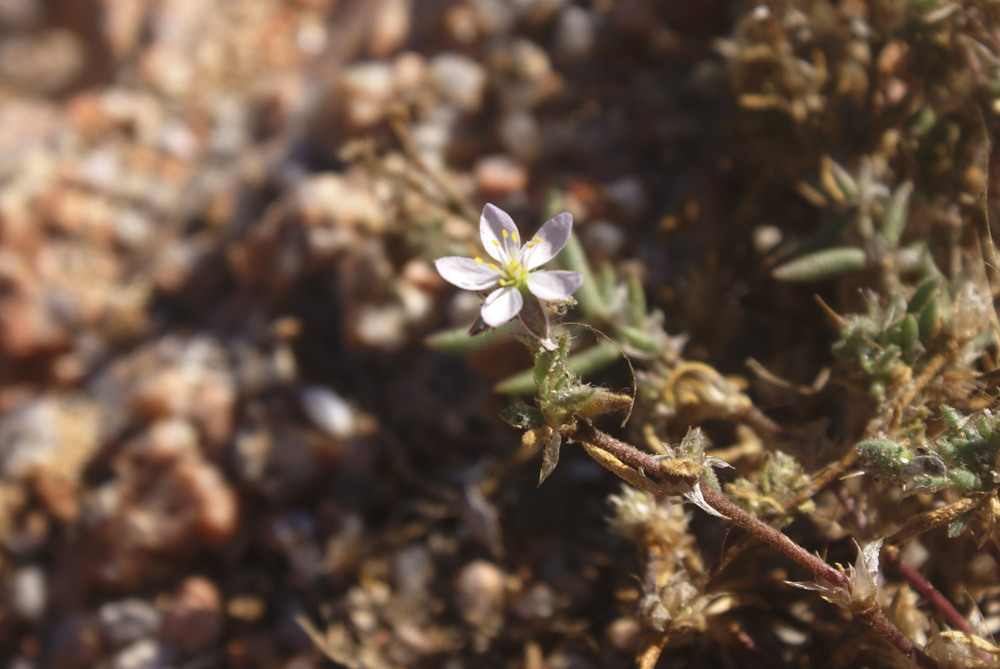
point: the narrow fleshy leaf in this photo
(922, 296)
(589, 297)
(896, 214)
(492, 225)
(467, 273)
(822, 264)
(457, 340)
(501, 305)
(636, 296)
(554, 285)
(548, 241)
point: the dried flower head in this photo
(518, 287)
(863, 577)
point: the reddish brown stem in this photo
(895, 562)
(875, 619)
(764, 532)
(625, 452)
(873, 616)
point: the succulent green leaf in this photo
(822, 264)
(922, 296)
(588, 295)
(896, 213)
(884, 458)
(459, 341)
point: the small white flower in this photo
(518, 287)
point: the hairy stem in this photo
(779, 540)
(872, 616)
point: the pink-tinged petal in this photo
(467, 273)
(492, 225)
(500, 306)
(534, 319)
(555, 284)
(549, 241)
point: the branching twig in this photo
(871, 615)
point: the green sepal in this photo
(591, 360)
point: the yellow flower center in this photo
(514, 274)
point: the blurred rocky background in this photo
(223, 442)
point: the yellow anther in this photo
(505, 234)
(479, 260)
(537, 240)
(504, 282)
(496, 242)
(492, 266)
(514, 236)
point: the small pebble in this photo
(143, 654)
(766, 238)
(536, 603)
(194, 619)
(328, 411)
(460, 80)
(603, 238)
(126, 620)
(499, 175)
(366, 89)
(413, 568)
(480, 592)
(575, 34)
(29, 593)
(390, 27)
(520, 135)
(623, 634)
(629, 195)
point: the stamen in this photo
(479, 260)
(505, 234)
(496, 242)
(514, 235)
(537, 240)
(493, 267)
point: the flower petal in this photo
(467, 273)
(548, 241)
(501, 305)
(535, 321)
(554, 285)
(493, 223)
